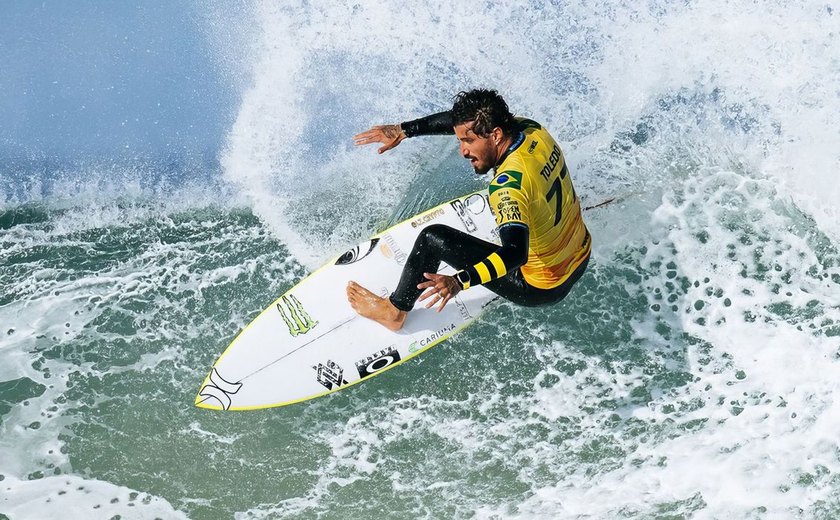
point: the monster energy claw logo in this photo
(296, 318)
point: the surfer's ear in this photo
(497, 135)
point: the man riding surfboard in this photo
(545, 245)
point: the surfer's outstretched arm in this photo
(389, 135)
(435, 124)
(392, 135)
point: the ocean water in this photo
(690, 374)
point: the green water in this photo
(650, 368)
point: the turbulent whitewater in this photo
(690, 374)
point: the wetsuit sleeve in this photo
(509, 203)
(435, 124)
(512, 254)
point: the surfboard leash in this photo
(612, 199)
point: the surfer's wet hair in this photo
(484, 107)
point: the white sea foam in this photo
(774, 59)
(67, 308)
(605, 74)
(70, 496)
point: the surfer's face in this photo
(482, 152)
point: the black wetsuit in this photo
(438, 243)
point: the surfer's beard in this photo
(481, 170)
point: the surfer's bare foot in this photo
(375, 307)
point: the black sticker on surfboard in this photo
(219, 389)
(477, 203)
(357, 253)
(378, 361)
(466, 219)
(329, 374)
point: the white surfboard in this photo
(310, 342)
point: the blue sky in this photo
(109, 79)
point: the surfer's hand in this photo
(389, 135)
(441, 286)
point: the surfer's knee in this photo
(433, 236)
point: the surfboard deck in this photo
(309, 342)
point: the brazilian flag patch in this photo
(509, 179)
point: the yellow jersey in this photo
(532, 186)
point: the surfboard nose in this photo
(216, 392)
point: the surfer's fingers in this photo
(428, 293)
(368, 140)
(371, 136)
(433, 281)
(374, 130)
(440, 299)
(443, 302)
(424, 285)
(433, 302)
(389, 135)
(363, 136)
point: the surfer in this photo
(545, 245)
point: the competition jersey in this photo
(532, 186)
